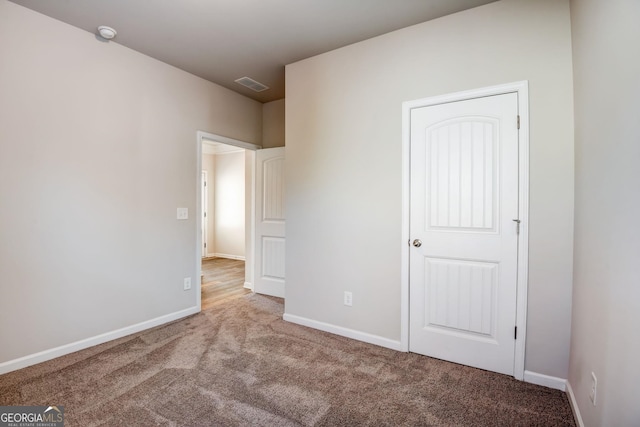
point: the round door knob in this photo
(417, 243)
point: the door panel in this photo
(270, 222)
(461, 175)
(461, 296)
(464, 198)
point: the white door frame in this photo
(201, 137)
(522, 89)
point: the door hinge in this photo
(205, 214)
(515, 333)
(518, 121)
(205, 244)
(517, 221)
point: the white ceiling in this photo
(223, 40)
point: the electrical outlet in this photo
(348, 298)
(187, 283)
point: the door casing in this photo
(522, 90)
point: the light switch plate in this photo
(348, 298)
(183, 213)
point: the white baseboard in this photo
(574, 406)
(345, 332)
(228, 256)
(248, 285)
(545, 380)
(43, 356)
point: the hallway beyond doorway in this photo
(222, 279)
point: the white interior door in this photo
(270, 222)
(204, 203)
(464, 231)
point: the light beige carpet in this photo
(239, 363)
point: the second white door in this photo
(464, 231)
(270, 222)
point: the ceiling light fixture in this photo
(106, 32)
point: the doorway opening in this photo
(225, 223)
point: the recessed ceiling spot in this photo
(252, 84)
(106, 32)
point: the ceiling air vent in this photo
(252, 84)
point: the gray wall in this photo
(343, 130)
(273, 124)
(97, 150)
(606, 298)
